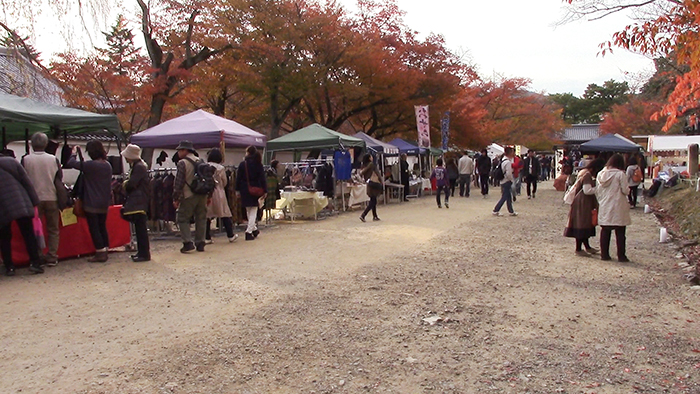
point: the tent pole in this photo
(26, 140)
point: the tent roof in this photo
(19, 113)
(205, 130)
(658, 143)
(407, 148)
(436, 151)
(377, 145)
(314, 136)
(610, 143)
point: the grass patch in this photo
(682, 203)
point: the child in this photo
(443, 183)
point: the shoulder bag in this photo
(254, 191)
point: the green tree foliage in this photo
(596, 101)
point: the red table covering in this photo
(75, 239)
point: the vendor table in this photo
(358, 194)
(303, 203)
(393, 190)
(75, 239)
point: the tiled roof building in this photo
(20, 77)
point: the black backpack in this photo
(498, 172)
(203, 182)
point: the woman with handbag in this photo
(251, 185)
(96, 194)
(614, 211)
(137, 188)
(374, 181)
(580, 225)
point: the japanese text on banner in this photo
(423, 123)
(445, 126)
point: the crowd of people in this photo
(33, 188)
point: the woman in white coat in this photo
(218, 207)
(613, 208)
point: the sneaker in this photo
(528, 197)
(200, 246)
(362, 219)
(582, 253)
(439, 206)
(36, 269)
(187, 247)
(513, 214)
(50, 263)
(9, 272)
(623, 259)
(496, 213)
(592, 250)
(208, 241)
(376, 218)
(533, 195)
(447, 205)
(235, 237)
(256, 233)
(250, 237)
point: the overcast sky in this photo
(517, 38)
(513, 38)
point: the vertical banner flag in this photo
(445, 125)
(423, 123)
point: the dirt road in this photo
(338, 306)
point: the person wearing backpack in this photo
(188, 203)
(251, 185)
(504, 174)
(634, 179)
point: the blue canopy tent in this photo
(407, 148)
(378, 146)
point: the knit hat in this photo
(132, 152)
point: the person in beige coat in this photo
(613, 208)
(218, 207)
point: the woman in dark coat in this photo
(97, 181)
(580, 225)
(251, 174)
(135, 209)
(452, 174)
(370, 173)
(17, 201)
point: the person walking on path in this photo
(466, 170)
(440, 175)
(374, 181)
(135, 209)
(483, 165)
(635, 177)
(97, 187)
(613, 211)
(17, 201)
(580, 225)
(188, 203)
(517, 180)
(506, 164)
(251, 177)
(405, 176)
(531, 173)
(218, 208)
(44, 170)
(452, 175)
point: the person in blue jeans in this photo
(506, 184)
(443, 183)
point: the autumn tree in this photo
(113, 80)
(661, 28)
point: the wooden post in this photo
(693, 159)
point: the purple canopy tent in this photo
(203, 129)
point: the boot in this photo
(187, 247)
(100, 256)
(249, 237)
(200, 246)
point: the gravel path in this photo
(427, 300)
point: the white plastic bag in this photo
(570, 194)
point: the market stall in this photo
(205, 130)
(388, 155)
(318, 138)
(74, 238)
(414, 157)
(610, 143)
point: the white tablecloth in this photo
(358, 194)
(291, 200)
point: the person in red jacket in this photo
(517, 166)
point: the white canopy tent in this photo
(671, 144)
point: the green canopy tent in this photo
(20, 117)
(313, 137)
